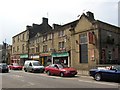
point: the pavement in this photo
(83, 72)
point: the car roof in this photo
(3, 63)
(31, 61)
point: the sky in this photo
(15, 15)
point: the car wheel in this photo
(62, 74)
(48, 73)
(32, 71)
(98, 77)
(25, 70)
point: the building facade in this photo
(20, 48)
(83, 44)
(94, 43)
(9, 54)
(24, 44)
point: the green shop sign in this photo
(60, 54)
(24, 56)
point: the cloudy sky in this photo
(15, 15)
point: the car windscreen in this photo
(62, 66)
(117, 67)
(3, 64)
(15, 64)
(36, 64)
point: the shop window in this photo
(83, 48)
(83, 53)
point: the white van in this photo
(33, 66)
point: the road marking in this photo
(17, 76)
(31, 83)
(104, 83)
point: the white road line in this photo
(31, 83)
(104, 83)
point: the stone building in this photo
(83, 44)
(20, 48)
(94, 43)
(21, 42)
(9, 54)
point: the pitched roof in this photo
(42, 28)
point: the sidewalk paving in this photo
(83, 72)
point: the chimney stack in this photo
(45, 20)
(28, 27)
(90, 15)
(55, 26)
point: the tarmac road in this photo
(21, 79)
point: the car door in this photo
(110, 74)
(56, 70)
(29, 67)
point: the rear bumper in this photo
(5, 70)
(20, 68)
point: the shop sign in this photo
(45, 54)
(35, 56)
(60, 54)
(24, 56)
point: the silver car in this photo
(33, 66)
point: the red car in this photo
(61, 70)
(15, 66)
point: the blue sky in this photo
(15, 15)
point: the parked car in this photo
(112, 73)
(15, 66)
(33, 66)
(3, 68)
(61, 70)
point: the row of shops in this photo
(44, 58)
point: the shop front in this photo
(34, 57)
(60, 58)
(15, 59)
(23, 57)
(45, 58)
